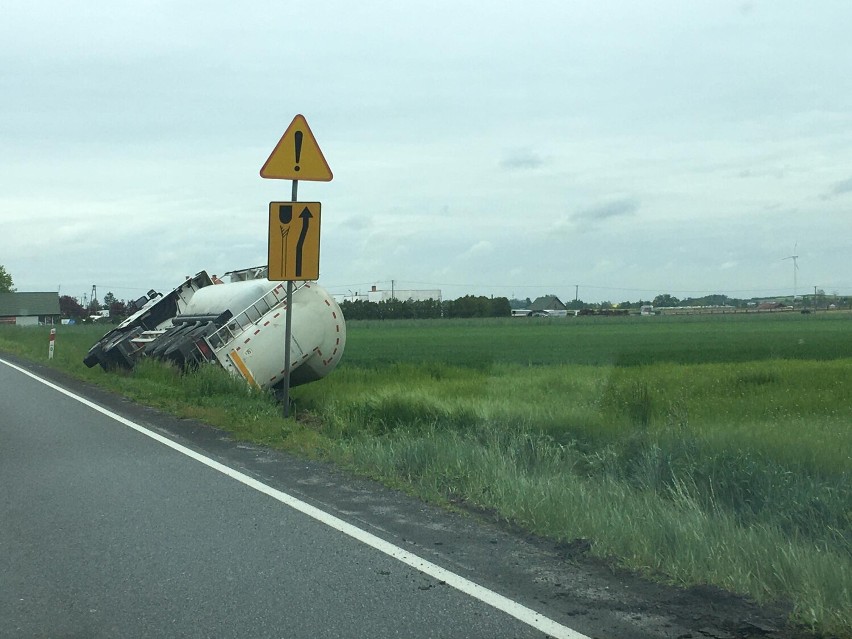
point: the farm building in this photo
(548, 305)
(29, 309)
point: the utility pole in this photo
(576, 292)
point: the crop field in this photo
(699, 449)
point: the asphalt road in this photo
(116, 520)
(106, 532)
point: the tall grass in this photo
(546, 488)
(732, 474)
(630, 427)
(208, 393)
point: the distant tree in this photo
(391, 309)
(118, 309)
(665, 300)
(430, 308)
(109, 300)
(467, 306)
(70, 307)
(500, 307)
(575, 305)
(6, 283)
(360, 310)
(421, 309)
(470, 306)
(707, 300)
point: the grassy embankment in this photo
(697, 450)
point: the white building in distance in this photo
(403, 295)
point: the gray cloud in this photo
(844, 186)
(746, 8)
(356, 223)
(615, 208)
(523, 159)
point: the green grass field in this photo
(622, 341)
(700, 449)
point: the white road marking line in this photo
(493, 599)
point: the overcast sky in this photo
(505, 148)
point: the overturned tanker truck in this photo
(239, 325)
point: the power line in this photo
(589, 287)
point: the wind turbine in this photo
(795, 259)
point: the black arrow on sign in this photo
(285, 216)
(306, 220)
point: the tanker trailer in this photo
(239, 326)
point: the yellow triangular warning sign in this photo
(297, 156)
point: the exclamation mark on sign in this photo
(298, 138)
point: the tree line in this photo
(467, 306)
(69, 307)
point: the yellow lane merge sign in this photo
(294, 240)
(297, 156)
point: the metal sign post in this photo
(297, 156)
(288, 330)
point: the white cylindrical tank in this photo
(235, 297)
(256, 352)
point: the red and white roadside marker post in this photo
(52, 343)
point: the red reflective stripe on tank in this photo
(257, 331)
(327, 303)
(266, 323)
